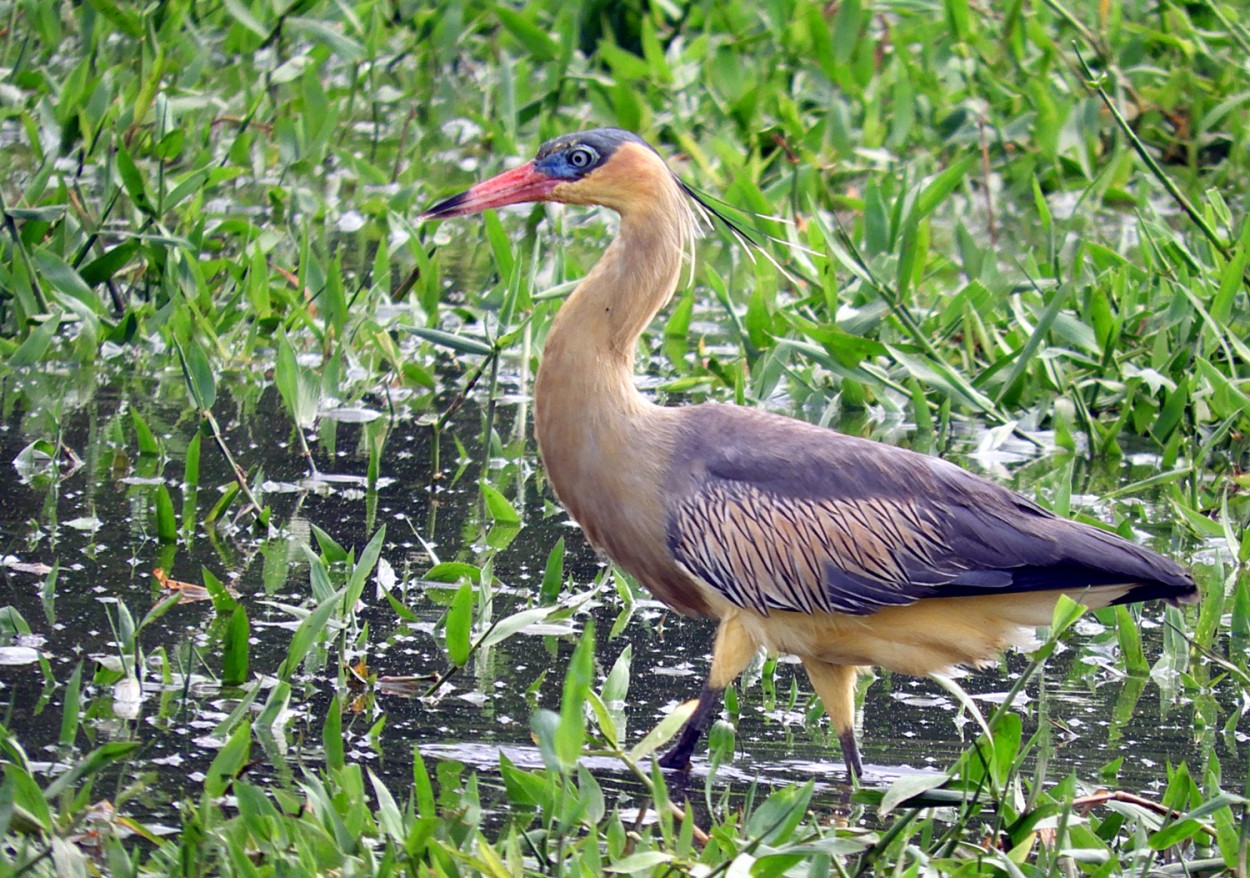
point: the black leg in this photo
(678, 758)
(850, 753)
(734, 648)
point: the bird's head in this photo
(616, 169)
(607, 166)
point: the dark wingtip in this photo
(1172, 584)
(1192, 596)
(444, 208)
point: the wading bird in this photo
(842, 551)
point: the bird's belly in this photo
(926, 637)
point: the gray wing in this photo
(777, 514)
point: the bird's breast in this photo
(608, 468)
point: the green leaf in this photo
(515, 623)
(147, 442)
(230, 760)
(132, 181)
(390, 817)
(13, 623)
(607, 721)
(276, 706)
(523, 787)
(553, 574)
(774, 822)
(849, 350)
(64, 278)
(500, 244)
(1008, 733)
(191, 463)
(332, 552)
(453, 571)
(27, 797)
(846, 34)
(199, 375)
(368, 560)
(459, 623)
(124, 18)
(31, 351)
(96, 761)
(1173, 410)
(966, 702)
(166, 521)
(70, 707)
(240, 13)
(235, 650)
(616, 686)
(48, 213)
(163, 606)
(319, 576)
(1239, 625)
(422, 787)
(312, 629)
(497, 505)
(1175, 833)
(332, 735)
(1027, 353)
(400, 610)
(228, 496)
(653, 53)
(941, 186)
(643, 861)
(578, 680)
(459, 343)
(1065, 615)
(958, 17)
(1130, 642)
(663, 731)
(907, 787)
(298, 386)
(536, 41)
(939, 375)
(224, 603)
(823, 52)
(342, 45)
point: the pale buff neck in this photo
(588, 361)
(603, 444)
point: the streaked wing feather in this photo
(784, 516)
(772, 552)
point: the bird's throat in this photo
(588, 360)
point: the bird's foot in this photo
(676, 759)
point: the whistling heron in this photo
(842, 551)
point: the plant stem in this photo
(1093, 84)
(239, 476)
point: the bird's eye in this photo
(582, 157)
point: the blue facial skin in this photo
(573, 156)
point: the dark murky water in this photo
(94, 521)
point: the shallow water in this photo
(93, 521)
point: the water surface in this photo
(93, 520)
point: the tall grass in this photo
(1028, 217)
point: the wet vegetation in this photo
(285, 591)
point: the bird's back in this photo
(779, 515)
